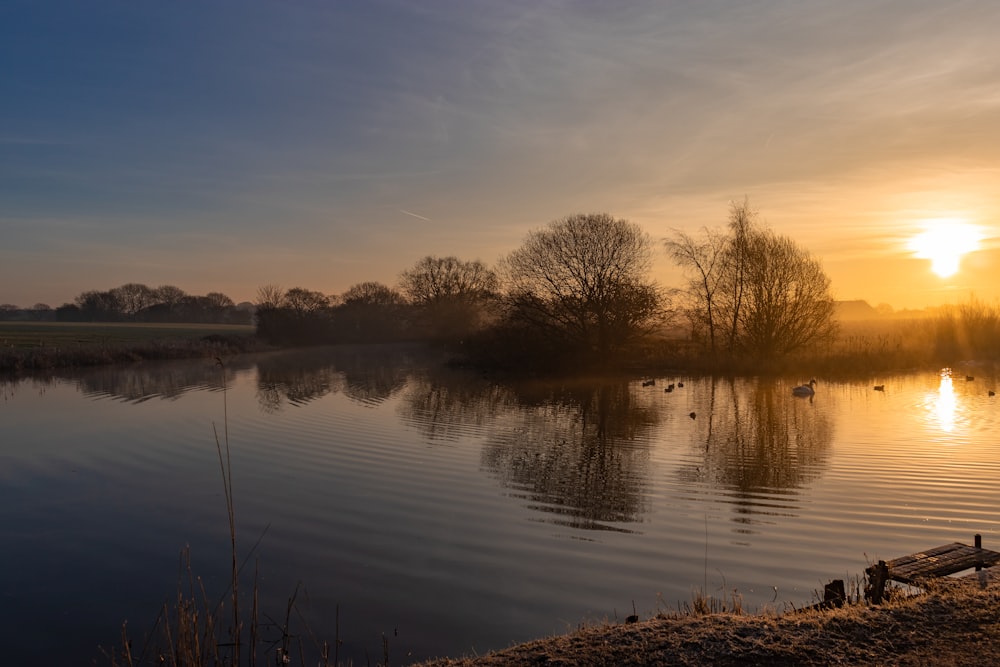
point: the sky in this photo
(224, 145)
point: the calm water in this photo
(452, 514)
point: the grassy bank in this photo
(957, 337)
(957, 624)
(47, 345)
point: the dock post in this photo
(834, 594)
(877, 576)
(979, 545)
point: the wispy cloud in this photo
(306, 123)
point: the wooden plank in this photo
(940, 561)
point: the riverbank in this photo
(43, 346)
(957, 623)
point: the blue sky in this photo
(219, 146)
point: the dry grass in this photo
(197, 631)
(26, 346)
(955, 625)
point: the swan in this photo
(805, 389)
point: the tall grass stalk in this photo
(227, 482)
(188, 634)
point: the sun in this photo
(944, 241)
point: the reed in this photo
(194, 630)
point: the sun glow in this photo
(944, 403)
(944, 241)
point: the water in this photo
(452, 514)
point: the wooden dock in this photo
(930, 564)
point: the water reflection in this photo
(367, 374)
(943, 405)
(444, 404)
(579, 454)
(760, 445)
(144, 381)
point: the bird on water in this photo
(805, 389)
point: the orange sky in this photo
(324, 144)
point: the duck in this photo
(992, 393)
(880, 387)
(805, 389)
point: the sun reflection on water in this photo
(944, 405)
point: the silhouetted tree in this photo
(303, 301)
(372, 293)
(168, 295)
(581, 284)
(42, 312)
(220, 300)
(68, 312)
(370, 312)
(298, 316)
(270, 296)
(769, 296)
(788, 305)
(705, 261)
(434, 279)
(131, 298)
(98, 306)
(452, 296)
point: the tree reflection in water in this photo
(580, 454)
(141, 382)
(367, 374)
(442, 404)
(759, 444)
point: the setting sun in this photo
(944, 241)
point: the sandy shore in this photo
(954, 624)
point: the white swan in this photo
(805, 389)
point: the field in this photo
(28, 346)
(63, 334)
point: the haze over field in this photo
(220, 146)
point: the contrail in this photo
(414, 215)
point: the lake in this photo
(439, 512)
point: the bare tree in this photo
(705, 260)
(168, 295)
(133, 298)
(582, 280)
(270, 296)
(435, 279)
(742, 227)
(371, 293)
(220, 300)
(770, 296)
(304, 301)
(453, 296)
(97, 306)
(788, 305)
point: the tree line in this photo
(135, 302)
(577, 293)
